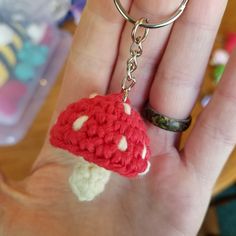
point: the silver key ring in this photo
(161, 24)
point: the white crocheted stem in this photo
(88, 180)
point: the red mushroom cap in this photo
(105, 131)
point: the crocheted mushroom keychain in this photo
(104, 132)
(107, 132)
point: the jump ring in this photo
(161, 24)
(139, 39)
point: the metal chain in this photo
(136, 50)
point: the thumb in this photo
(9, 194)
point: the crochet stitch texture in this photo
(104, 131)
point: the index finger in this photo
(93, 51)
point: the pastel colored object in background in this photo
(8, 54)
(43, 49)
(205, 100)
(33, 54)
(10, 43)
(76, 10)
(37, 32)
(6, 34)
(24, 72)
(30, 57)
(39, 55)
(80, 4)
(23, 55)
(17, 41)
(4, 74)
(20, 30)
(105, 132)
(49, 11)
(10, 96)
(218, 73)
(219, 57)
(230, 42)
(48, 37)
(10, 36)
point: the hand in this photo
(172, 199)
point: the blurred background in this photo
(33, 49)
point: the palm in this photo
(173, 198)
(159, 204)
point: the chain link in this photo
(136, 50)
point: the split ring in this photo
(161, 24)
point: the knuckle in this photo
(218, 129)
(179, 78)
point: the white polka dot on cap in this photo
(77, 125)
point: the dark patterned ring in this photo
(164, 122)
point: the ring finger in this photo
(180, 74)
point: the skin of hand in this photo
(172, 199)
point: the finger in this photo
(214, 135)
(179, 77)
(153, 47)
(90, 62)
(89, 68)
